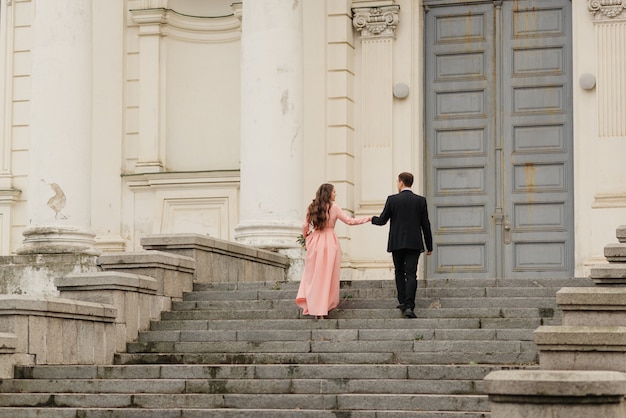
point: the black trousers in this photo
(405, 263)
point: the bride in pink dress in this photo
(319, 288)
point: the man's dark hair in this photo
(406, 179)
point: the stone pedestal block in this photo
(135, 298)
(221, 261)
(609, 274)
(56, 331)
(581, 348)
(621, 233)
(34, 275)
(173, 273)
(615, 253)
(593, 306)
(556, 394)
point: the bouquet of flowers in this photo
(302, 241)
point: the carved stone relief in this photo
(376, 21)
(607, 9)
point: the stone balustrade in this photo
(173, 273)
(54, 331)
(583, 361)
(221, 261)
(134, 297)
(104, 304)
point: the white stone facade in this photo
(124, 118)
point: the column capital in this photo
(376, 22)
(608, 9)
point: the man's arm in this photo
(385, 214)
(428, 236)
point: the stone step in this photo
(244, 386)
(298, 324)
(259, 371)
(351, 303)
(336, 335)
(339, 402)
(341, 313)
(360, 323)
(225, 413)
(416, 345)
(375, 293)
(555, 283)
(245, 349)
(425, 358)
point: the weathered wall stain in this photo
(58, 201)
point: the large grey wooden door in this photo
(498, 135)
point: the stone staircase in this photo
(243, 349)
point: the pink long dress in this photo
(319, 287)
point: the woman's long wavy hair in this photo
(318, 210)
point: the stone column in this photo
(58, 195)
(377, 26)
(272, 164)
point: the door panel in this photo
(498, 137)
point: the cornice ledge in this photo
(376, 22)
(9, 196)
(609, 200)
(607, 10)
(148, 16)
(182, 179)
(190, 28)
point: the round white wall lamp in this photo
(587, 81)
(400, 91)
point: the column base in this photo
(58, 240)
(269, 235)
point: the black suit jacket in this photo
(409, 221)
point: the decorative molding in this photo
(376, 22)
(176, 180)
(609, 200)
(237, 10)
(167, 22)
(607, 9)
(204, 202)
(9, 196)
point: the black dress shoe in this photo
(408, 312)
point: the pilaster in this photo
(610, 26)
(9, 193)
(151, 75)
(340, 105)
(6, 75)
(377, 26)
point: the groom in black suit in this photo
(409, 221)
